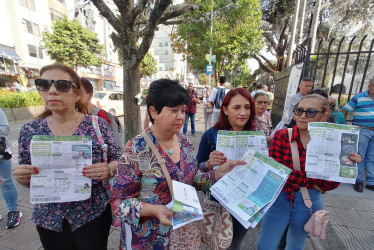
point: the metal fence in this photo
(344, 66)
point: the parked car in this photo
(110, 101)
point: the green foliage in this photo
(147, 66)
(20, 99)
(72, 44)
(236, 34)
(203, 79)
(244, 77)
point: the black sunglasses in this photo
(60, 85)
(310, 113)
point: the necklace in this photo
(62, 131)
(170, 151)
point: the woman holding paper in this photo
(263, 121)
(289, 207)
(141, 191)
(237, 114)
(70, 225)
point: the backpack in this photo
(219, 97)
(115, 126)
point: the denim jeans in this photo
(185, 125)
(366, 150)
(284, 212)
(8, 188)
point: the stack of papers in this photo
(249, 190)
(185, 204)
(328, 151)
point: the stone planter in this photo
(16, 115)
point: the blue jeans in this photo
(8, 188)
(284, 212)
(185, 125)
(366, 150)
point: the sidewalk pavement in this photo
(351, 224)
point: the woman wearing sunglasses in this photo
(289, 207)
(69, 225)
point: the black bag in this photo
(2, 146)
(219, 97)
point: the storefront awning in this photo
(9, 53)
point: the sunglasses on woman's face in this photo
(310, 113)
(60, 85)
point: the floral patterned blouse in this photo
(140, 180)
(78, 213)
(264, 125)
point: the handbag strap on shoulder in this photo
(160, 160)
(296, 166)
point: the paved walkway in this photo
(351, 225)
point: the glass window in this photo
(166, 44)
(32, 50)
(160, 68)
(40, 51)
(27, 26)
(36, 29)
(120, 97)
(160, 45)
(23, 3)
(98, 95)
(28, 4)
(166, 52)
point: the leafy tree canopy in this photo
(236, 34)
(72, 44)
(148, 65)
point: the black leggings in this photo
(91, 236)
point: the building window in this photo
(160, 45)
(28, 4)
(61, 1)
(40, 50)
(32, 50)
(160, 69)
(166, 52)
(55, 15)
(166, 44)
(36, 29)
(27, 26)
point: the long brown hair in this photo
(76, 79)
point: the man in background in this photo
(216, 98)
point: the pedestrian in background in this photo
(81, 225)
(258, 88)
(216, 98)
(270, 95)
(191, 109)
(8, 189)
(337, 116)
(362, 106)
(263, 121)
(208, 110)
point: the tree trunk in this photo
(131, 86)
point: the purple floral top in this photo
(78, 213)
(140, 180)
(265, 125)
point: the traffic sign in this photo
(209, 69)
(213, 58)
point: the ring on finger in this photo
(99, 175)
(21, 177)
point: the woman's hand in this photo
(268, 139)
(23, 173)
(98, 171)
(216, 158)
(161, 212)
(226, 168)
(355, 157)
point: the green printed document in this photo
(249, 190)
(234, 144)
(185, 204)
(60, 161)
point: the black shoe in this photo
(370, 187)
(14, 218)
(358, 187)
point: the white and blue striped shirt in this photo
(362, 106)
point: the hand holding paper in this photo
(226, 168)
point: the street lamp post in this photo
(211, 42)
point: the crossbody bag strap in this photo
(160, 160)
(296, 166)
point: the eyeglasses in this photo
(60, 85)
(310, 113)
(262, 102)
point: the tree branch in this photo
(261, 64)
(124, 6)
(176, 11)
(106, 12)
(268, 62)
(137, 10)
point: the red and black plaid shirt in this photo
(280, 150)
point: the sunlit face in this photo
(59, 101)
(262, 103)
(238, 112)
(190, 87)
(170, 119)
(305, 87)
(309, 104)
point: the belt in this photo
(361, 126)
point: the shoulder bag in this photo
(317, 224)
